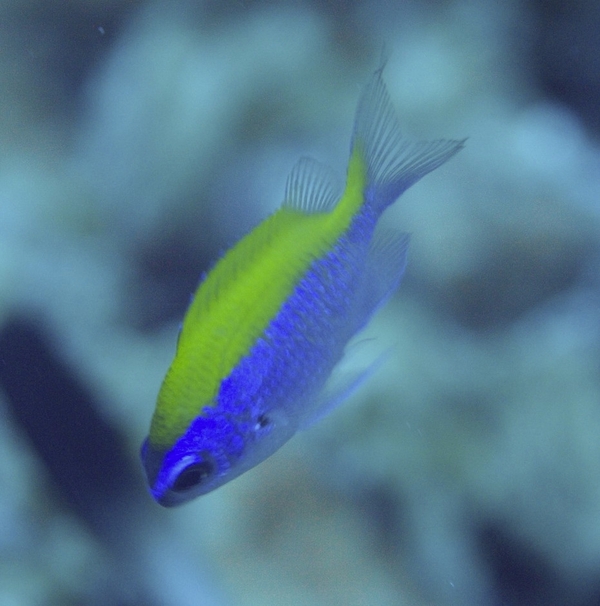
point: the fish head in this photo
(214, 450)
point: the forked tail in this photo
(392, 162)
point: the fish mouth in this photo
(152, 460)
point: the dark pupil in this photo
(192, 476)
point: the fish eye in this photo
(192, 475)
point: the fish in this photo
(260, 346)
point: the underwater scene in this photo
(299, 303)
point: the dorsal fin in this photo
(311, 187)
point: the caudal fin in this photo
(393, 163)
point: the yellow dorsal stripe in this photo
(238, 299)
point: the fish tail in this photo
(391, 162)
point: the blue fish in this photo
(269, 323)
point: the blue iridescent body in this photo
(337, 271)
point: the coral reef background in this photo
(140, 139)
